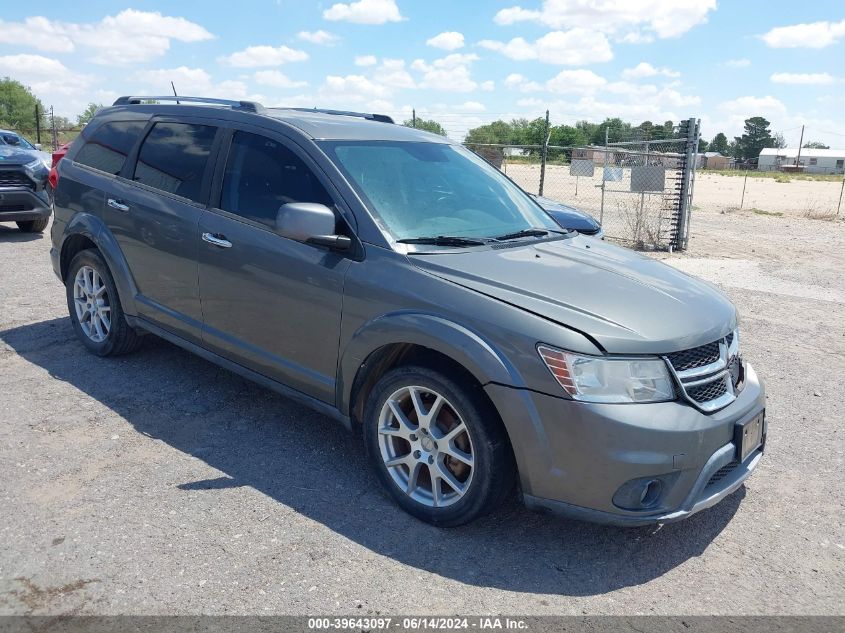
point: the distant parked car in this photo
(23, 183)
(570, 217)
(58, 155)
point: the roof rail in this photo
(364, 115)
(247, 106)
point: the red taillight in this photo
(58, 155)
(53, 178)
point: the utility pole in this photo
(414, 117)
(604, 175)
(37, 125)
(547, 132)
(55, 138)
(800, 143)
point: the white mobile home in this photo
(813, 161)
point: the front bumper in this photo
(574, 457)
(21, 204)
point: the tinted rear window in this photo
(173, 158)
(109, 146)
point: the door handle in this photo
(217, 240)
(118, 204)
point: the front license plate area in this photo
(748, 437)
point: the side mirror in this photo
(310, 223)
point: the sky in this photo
(460, 62)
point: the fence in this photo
(641, 191)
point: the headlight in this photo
(37, 166)
(611, 380)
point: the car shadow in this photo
(309, 463)
(11, 233)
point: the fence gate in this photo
(640, 190)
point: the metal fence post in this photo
(686, 182)
(603, 176)
(37, 125)
(544, 153)
(841, 190)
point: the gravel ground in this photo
(157, 483)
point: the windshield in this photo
(7, 138)
(418, 189)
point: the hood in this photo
(628, 303)
(569, 217)
(11, 155)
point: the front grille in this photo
(723, 472)
(15, 178)
(5, 208)
(708, 391)
(695, 357)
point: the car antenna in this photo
(174, 91)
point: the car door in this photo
(154, 211)
(270, 303)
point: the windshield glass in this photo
(7, 138)
(418, 189)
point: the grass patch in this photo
(776, 175)
(774, 214)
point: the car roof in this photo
(317, 124)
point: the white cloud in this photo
(751, 106)
(636, 37)
(255, 56)
(366, 60)
(811, 35)
(664, 18)
(322, 38)
(276, 79)
(129, 37)
(738, 63)
(487, 86)
(803, 78)
(48, 78)
(392, 73)
(364, 12)
(353, 89)
(190, 82)
(576, 47)
(448, 40)
(447, 74)
(644, 69)
(515, 81)
(575, 81)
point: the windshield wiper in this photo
(443, 240)
(523, 233)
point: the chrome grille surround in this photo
(715, 384)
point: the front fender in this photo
(463, 345)
(92, 227)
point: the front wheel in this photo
(33, 226)
(437, 446)
(95, 308)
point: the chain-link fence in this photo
(640, 191)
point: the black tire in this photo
(493, 469)
(121, 337)
(34, 226)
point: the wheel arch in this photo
(87, 231)
(406, 338)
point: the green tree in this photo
(668, 130)
(587, 129)
(756, 137)
(617, 130)
(702, 145)
(720, 144)
(815, 145)
(429, 125)
(17, 107)
(88, 114)
(498, 132)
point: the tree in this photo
(617, 130)
(757, 136)
(720, 144)
(17, 107)
(779, 140)
(88, 114)
(815, 145)
(668, 130)
(702, 146)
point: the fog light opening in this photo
(650, 493)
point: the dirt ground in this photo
(158, 483)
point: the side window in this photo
(262, 175)
(109, 146)
(173, 158)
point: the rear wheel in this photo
(437, 446)
(95, 308)
(33, 226)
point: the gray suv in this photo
(397, 282)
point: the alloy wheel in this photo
(426, 446)
(91, 301)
